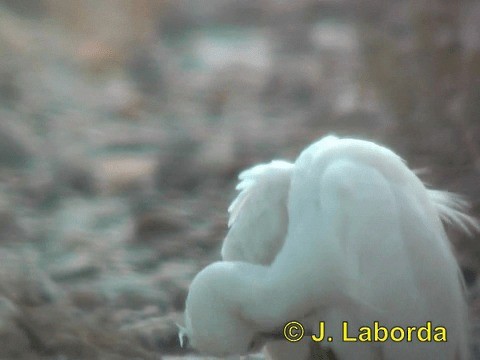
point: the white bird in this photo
(346, 233)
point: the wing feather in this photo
(258, 216)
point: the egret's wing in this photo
(366, 227)
(258, 216)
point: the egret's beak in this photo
(273, 336)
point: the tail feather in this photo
(452, 209)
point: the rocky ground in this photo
(120, 147)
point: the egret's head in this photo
(213, 323)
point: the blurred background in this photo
(123, 126)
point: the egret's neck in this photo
(265, 299)
(298, 281)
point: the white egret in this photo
(346, 233)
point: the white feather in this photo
(362, 241)
(452, 209)
(258, 216)
(182, 334)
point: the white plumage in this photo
(260, 212)
(346, 233)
